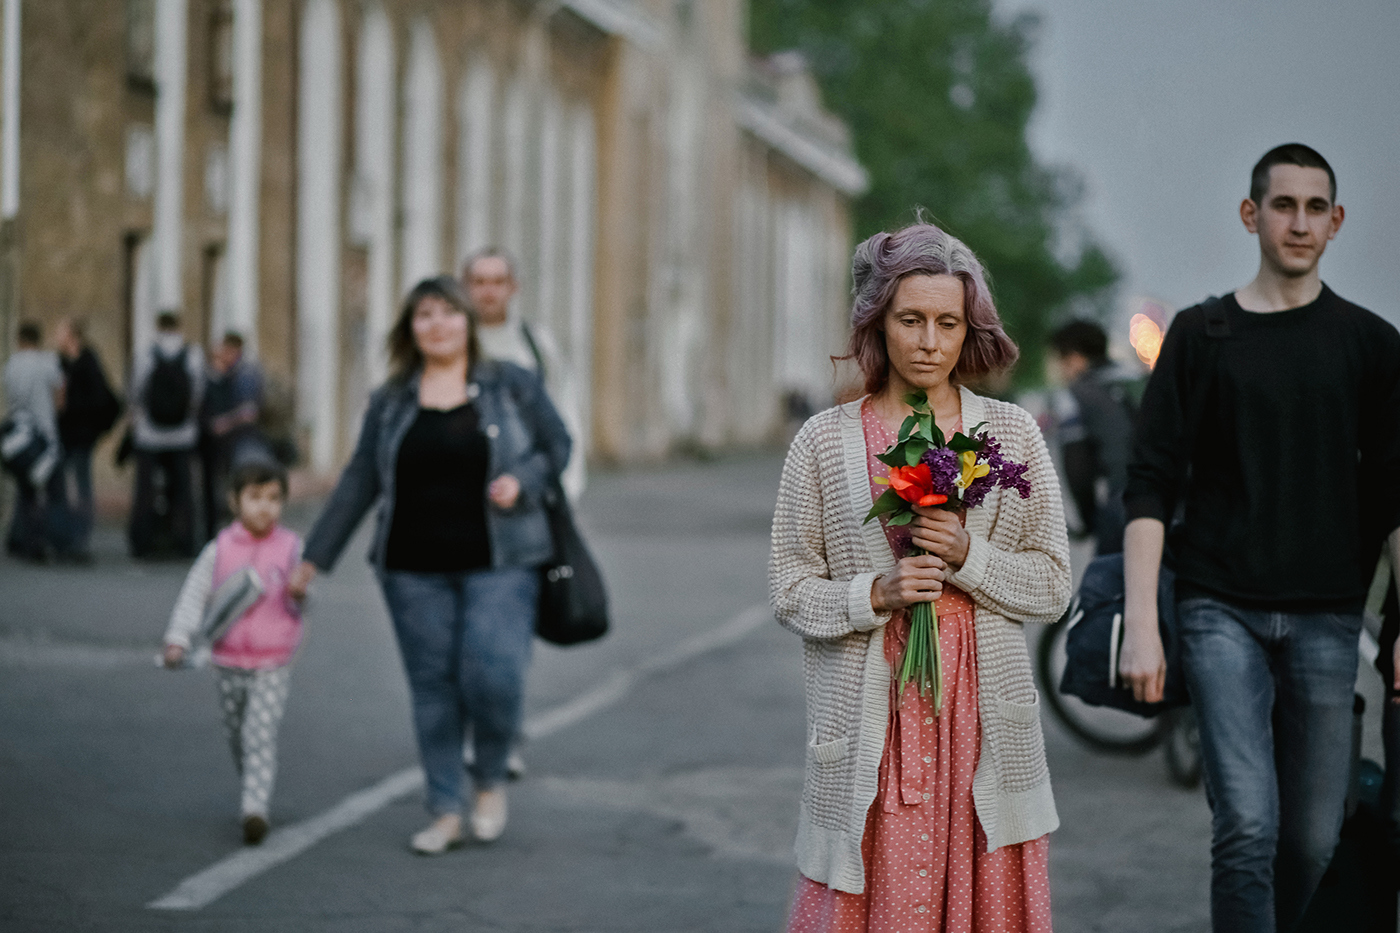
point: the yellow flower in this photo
(971, 469)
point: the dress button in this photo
(924, 837)
(923, 909)
(928, 720)
(923, 872)
(928, 760)
(925, 796)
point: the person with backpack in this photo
(1094, 427)
(1273, 418)
(90, 409)
(166, 392)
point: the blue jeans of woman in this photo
(465, 639)
(1273, 696)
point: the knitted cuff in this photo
(863, 615)
(969, 577)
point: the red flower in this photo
(915, 484)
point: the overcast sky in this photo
(1164, 107)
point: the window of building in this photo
(141, 44)
(221, 57)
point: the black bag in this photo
(169, 391)
(573, 600)
(1095, 638)
(26, 452)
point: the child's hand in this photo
(174, 656)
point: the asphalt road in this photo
(662, 796)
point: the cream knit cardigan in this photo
(822, 566)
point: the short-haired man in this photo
(1273, 418)
(1094, 428)
(34, 386)
(228, 421)
(166, 390)
(488, 277)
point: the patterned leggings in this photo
(253, 703)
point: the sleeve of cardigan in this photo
(804, 597)
(189, 605)
(1030, 582)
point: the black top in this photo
(1294, 467)
(439, 523)
(89, 407)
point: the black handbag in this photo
(1095, 638)
(573, 604)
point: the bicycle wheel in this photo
(1183, 746)
(1101, 728)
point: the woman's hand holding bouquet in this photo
(929, 471)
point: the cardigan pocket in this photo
(827, 753)
(1020, 745)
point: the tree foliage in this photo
(937, 94)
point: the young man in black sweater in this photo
(1271, 427)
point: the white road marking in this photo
(202, 889)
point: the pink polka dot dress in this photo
(927, 867)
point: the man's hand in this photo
(174, 656)
(1142, 662)
(913, 580)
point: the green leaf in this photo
(888, 501)
(935, 434)
(962, 442)
(917, 400)
(903, 518)
(978, 426)
(907, 429)
(893, 457)
(913, 451)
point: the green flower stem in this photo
(923, 661)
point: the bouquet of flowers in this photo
(927, 470)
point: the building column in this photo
(318, 226)
(9, 169)
(476, 119)
(421, 243)
(372, 221)
(245, 171)
(168, 206)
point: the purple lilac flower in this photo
(943, 464)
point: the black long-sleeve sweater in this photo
(1290, 483)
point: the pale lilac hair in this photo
(882, 262)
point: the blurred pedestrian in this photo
(166, 392)
(34, 391)
(229, 424)
(456, 454)
(1094, 428)
(90, 409)
(1273, 414)
(253, 656)
(915, 818)
(489, 279)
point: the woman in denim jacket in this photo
(457, 454)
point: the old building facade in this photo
(288, 168)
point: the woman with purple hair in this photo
(916, 817)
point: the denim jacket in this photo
(526, 439)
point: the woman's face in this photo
(924, 329)
(439, 329)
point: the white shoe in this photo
(489, 816)
(515, 765)
(444, 833)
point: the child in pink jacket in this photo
(253, 656)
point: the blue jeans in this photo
(78, 509)
(1273, 696)
(465, 639)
